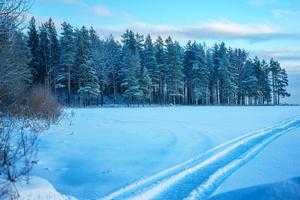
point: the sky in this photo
(265, 28)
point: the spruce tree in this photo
(33, 44)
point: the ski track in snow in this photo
(199, 177)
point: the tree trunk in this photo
(114, 88)
(69, 86)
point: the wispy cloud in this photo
(96, 9)
(284, 13)
(102, 10)
(288, 57)
(209, 30)
(291, 54)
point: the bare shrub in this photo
(38, 103)
(20, 125)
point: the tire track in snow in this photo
(197, 178)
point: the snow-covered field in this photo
(99, 151)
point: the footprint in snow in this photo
(107, 171)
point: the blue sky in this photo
(267, 28)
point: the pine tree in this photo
(274, 67)
(145, 84)
(49, 53)
(33, 44)
(248, 87)
(129, 71)
(200, 76)
(282, 84)
(65, 78)
(161, 60)
(240, 61)
(224, 79)
(88, 88)
(139, 44)
(100, 61)
(44, 73)
(189, 62)
(233, 73)
(211, 75)
(263, 90)
(265, 83)
(149, 62)
(54, 54)
(175, 75)
(114, 63)
(15, 72)
(214, 75)
(21, 57)
(129, 41)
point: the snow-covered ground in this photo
(39, 189)
(99, 151)
(275, 173)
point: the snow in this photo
(100, 151)
(39, 188)
(277, 174)
(217, 167)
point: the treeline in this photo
(82, 69)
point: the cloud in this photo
(98, 9)
(291, 67)
(284, 13)
(102, 10)
(292, 54)
(289, 58)
(209, 30)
